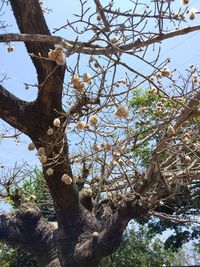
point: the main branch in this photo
(26, 228)
(90, 49)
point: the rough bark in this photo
(80, 240)
(26, 228)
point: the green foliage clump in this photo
(139, 249)
(16, 258)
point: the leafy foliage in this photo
(140, 249)
(16, 258)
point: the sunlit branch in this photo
(94, 49)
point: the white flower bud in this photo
(50, 131)
(121, 162)
(108, 146)
(66, 179)
(188, 159)
(192, 13)
(43, 159)
(56, 122)
(32, 198)
(170, 131)
(114, 40)
(49, 171)
(87, 78)
(10, 48)
(81, 125)
(31, 147)
(194, 79)
(41, 151)
(95, 234)
(185, 2)
(122, 112)
(161, 203)
(94, 120)
(96, 147)
(159, 74)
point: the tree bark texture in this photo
(80, 240)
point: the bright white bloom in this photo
(66, 179)
(56, 122)
(188, 159)
(57, 54)
(87, 78)
(166, 72)
(75, 79)
(80, 86)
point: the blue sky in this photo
(183, 51)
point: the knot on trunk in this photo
(28, 212)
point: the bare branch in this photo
(175, 218)
(90, 49)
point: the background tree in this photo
(84, 130)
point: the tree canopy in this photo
(115, 143)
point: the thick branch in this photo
(12, 110)
(110, 238)
(105, 242)
(26, 228)
(90, 49)
(30, 19)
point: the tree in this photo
(84, 129)
(186, 203)
(138, 248)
